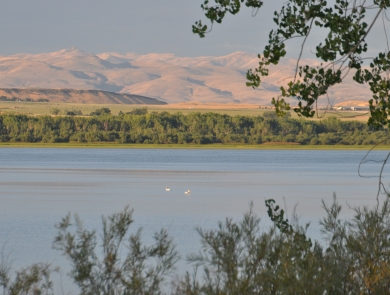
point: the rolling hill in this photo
(165, 77)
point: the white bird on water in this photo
(167, 189)
(187, 192)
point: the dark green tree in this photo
(101, 111)
(55, 111)
(139, 111)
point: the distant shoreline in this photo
(192, 146)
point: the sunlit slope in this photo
(162, 76)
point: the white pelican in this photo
(187, 192)
(167, 189)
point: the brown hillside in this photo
(166, 77)
(79, 96)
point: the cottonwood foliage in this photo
(345, 26)
(194, 128)
(241, 257)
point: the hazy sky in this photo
(162, 26)
(142, 26)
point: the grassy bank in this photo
(106, 145)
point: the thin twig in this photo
(302, 46)
(381, 186)
(380, 180)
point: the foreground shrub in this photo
(241, 258)
(236, 258)
(142, 270)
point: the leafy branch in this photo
(340, 52)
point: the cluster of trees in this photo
(139, 126)
(98, 112)
(5, 98)
(237, 258)
(66, 112)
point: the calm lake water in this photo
(39, 186)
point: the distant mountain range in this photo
(165, 77)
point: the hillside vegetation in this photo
(139, 126)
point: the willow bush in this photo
(237, 257)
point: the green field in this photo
(43, 108)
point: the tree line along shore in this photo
(141, 127)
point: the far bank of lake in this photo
(267, 146)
